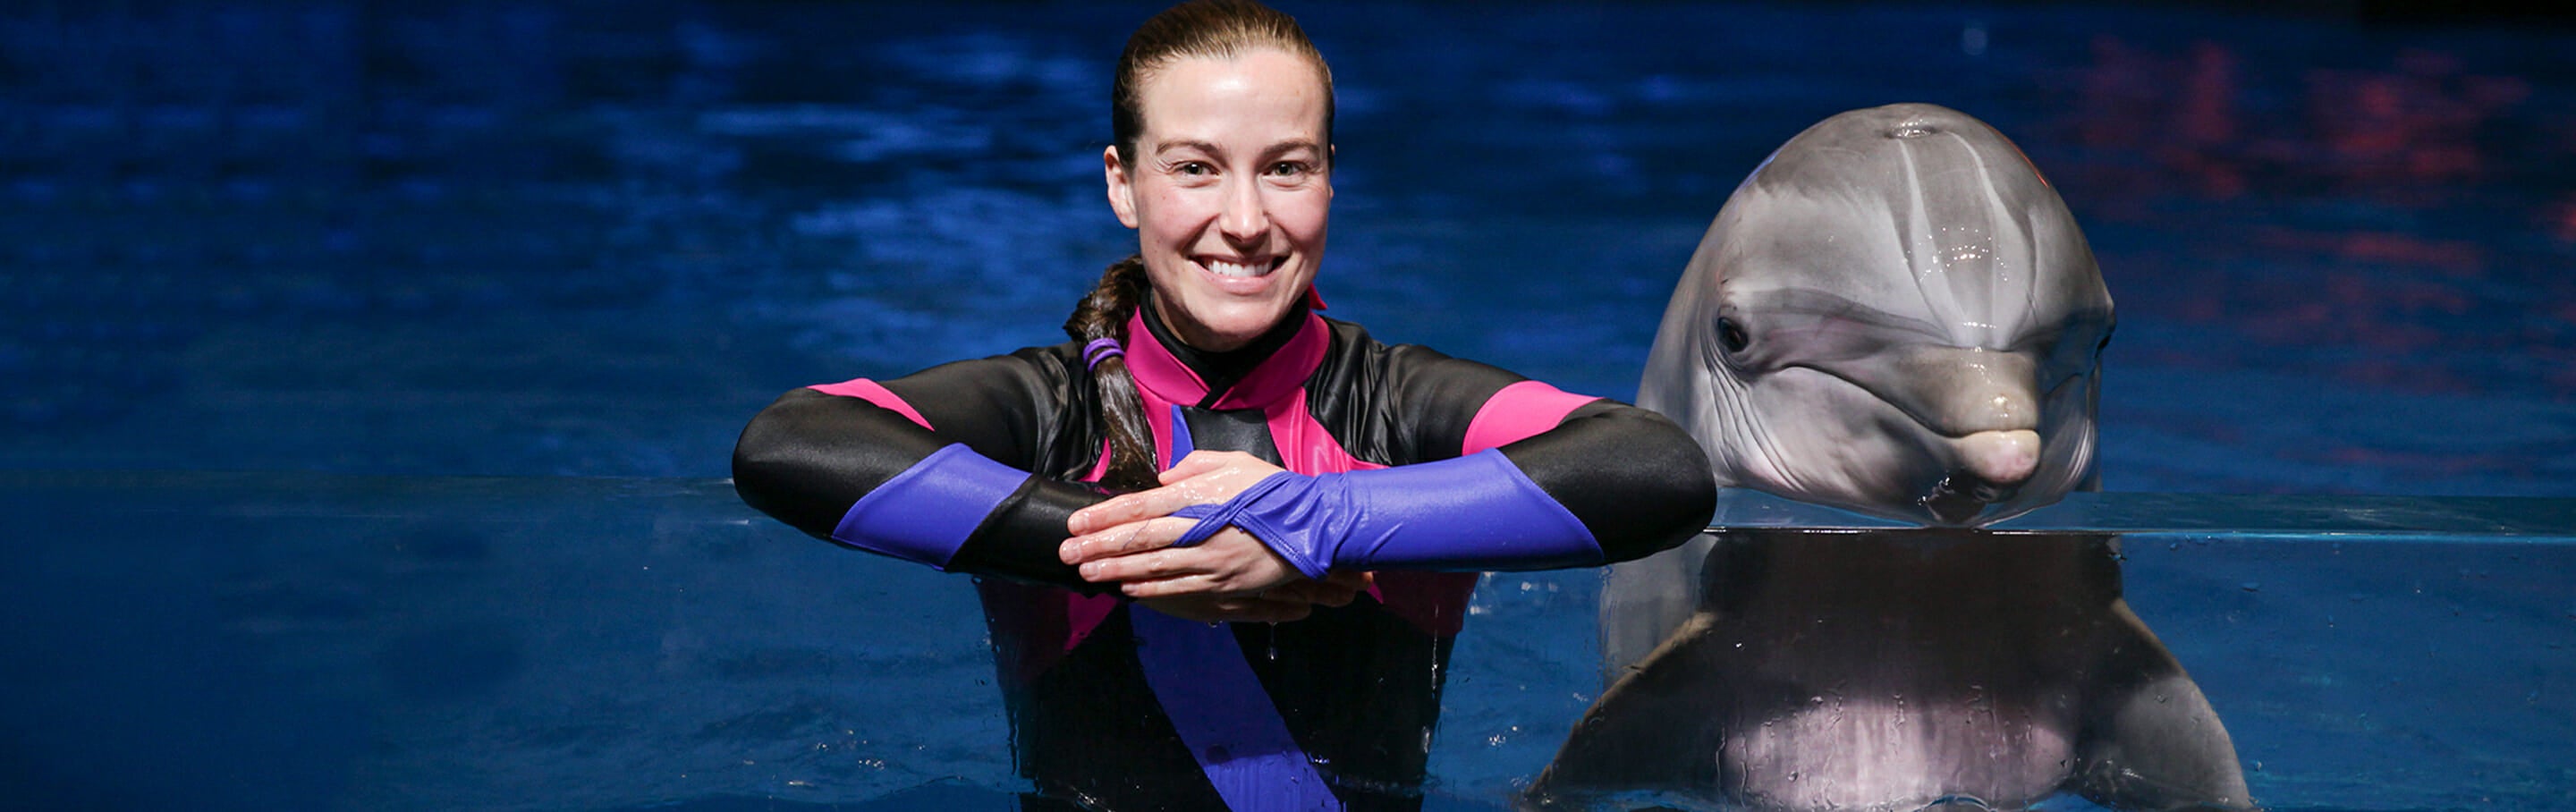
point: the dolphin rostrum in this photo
(1893, 314)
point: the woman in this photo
(1276, 466)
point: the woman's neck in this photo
(1222, 370)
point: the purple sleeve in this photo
(926, 512)
(1477, 512)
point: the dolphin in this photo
(1893, 314)
(1906, 669)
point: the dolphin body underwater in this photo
(1893, 314)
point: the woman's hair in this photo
(1219, 29)
(1216, 29)
(1103, 314)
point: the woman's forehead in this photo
(1263, 91)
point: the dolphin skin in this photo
(1894, 314)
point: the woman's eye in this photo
(1193, 169)
(1287, 169)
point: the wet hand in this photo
(1128, 539)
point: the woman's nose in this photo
(1244, 218)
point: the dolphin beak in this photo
(2001, 457)
(1992, 465)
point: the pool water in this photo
(373, 367)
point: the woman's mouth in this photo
(1241, 270)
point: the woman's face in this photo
(1229, 192)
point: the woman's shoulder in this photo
(1047, 372)
(1352, 344)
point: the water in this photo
(333, 641)
(371, 364)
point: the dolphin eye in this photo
(1731, 335)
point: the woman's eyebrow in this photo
(1177, 146)
(1274, 150)
(1285, 147)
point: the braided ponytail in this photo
(1103, 314)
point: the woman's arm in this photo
(1637, 481)
(858, 464)
(1569, 485)
(915, 468)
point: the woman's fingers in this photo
(1230, 563)
(1200, 462)
(1203, 477)
(1125, 508)
(1122, 540)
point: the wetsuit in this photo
(1357, 687)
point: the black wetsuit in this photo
(1358, 686)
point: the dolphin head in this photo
(1893, 314)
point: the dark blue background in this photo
(371, 251)
(591, 238)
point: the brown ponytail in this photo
(1103, 314)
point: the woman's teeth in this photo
(1224, 268)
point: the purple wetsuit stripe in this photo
(1470, 513)
(925, 513)
(1219, 708)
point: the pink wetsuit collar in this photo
(1276, 377)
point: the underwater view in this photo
(374, 368)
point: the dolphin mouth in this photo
(1959, 497)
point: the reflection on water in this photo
(1887, 669)
(290, 640)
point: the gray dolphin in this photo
(1933, 668)
(1893, 314)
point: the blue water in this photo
(369, 365)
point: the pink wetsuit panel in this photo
(1518, 412)
(871, 392)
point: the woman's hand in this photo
(1128, 539)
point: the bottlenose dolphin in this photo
(1933, 668)
(1893, 314)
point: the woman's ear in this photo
(1122, 194)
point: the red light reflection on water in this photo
(2408, 131)
(2416, 124)
(2181, 114)
(2312, 178)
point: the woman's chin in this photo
(1230, 325)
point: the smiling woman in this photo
(1230, 199)
(1325, 495)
